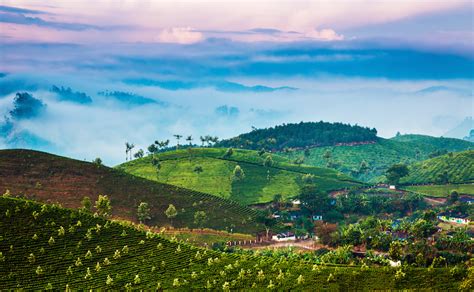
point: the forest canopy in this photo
(301, 135)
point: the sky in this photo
(100, 73)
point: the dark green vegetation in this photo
(369, 162)
(211, 170)
(48, 247)
(301, 135)
(452, 168)
(51, 178)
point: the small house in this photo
(317, 217)
(285, 236)
(454, 218)
(466, 200)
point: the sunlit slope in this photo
(259, 185)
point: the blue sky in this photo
(405, 66)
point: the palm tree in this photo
(189, 139)
(130, 151)
(178, 136)
(203, 139)
(127, 149)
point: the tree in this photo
(229, 152)
(203, 140)
(396, 172)
(327, 155)
(86, 203)
(266, 221)
(156, 163)
(198, 169)
(152, 149)
(103, 205)
(97, 161)
(200, 218)
(307, 152)
(268, 162)
(143, 212)
(363, 167)
(314, 201)
(177, 136)
(140, 153)
(190, 140)
(453, 197)
(396, 250)
(238, 173)
(171, 212)
(277, 201)
(308, 178)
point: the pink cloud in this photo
(180, 35)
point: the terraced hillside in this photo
(259, 185)
(379, 156)
(48, 247)
(50, 178)
(457, 168)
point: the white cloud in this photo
(324, 35)
(180, 35)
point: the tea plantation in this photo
(457, 167)
(260, 184)
(49, 247)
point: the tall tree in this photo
(143, 212)
(396, 172)
(171, 212)
(238, 173)
(103, 205)
(190, 140)
(177, 136)
(200, 218)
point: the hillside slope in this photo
(45, 247)
(457, 167)
(378, 156)
(50, 178)
(259, 185)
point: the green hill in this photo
(301, 135)
(456, 168)
(46, 247)
(259, 185)
(378, 156)
(50, 178)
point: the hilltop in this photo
(49, 247)
(369, 161)
(260, 184)
(301, 135)
(50, 178)
(455, 168)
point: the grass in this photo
(441, 191)
(49, 247)
(380, 155)
(455, 168)
(259, 185)
(51, 178)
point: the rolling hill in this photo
(301, 135)
(259, 185)
(456, 168)
(50, 178)
(378, 156)
(46, 247)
